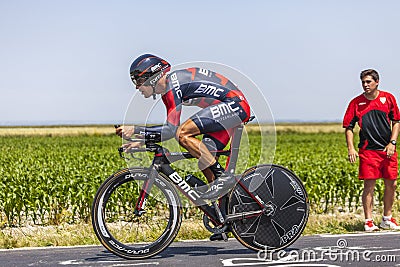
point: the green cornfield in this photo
(48, 180)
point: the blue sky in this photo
(68, 61)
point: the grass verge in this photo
(82, 234)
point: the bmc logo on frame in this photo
(184, 186)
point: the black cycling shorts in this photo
(217, 121)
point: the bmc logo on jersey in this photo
(209, 90)
(176, 85)
(223, 109)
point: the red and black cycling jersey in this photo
(199, 87)
(374, 118)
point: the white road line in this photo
(284, 261)
(50, 247)
(113, 263)
(92, 246)
(359, 234)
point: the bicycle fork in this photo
(144, 192)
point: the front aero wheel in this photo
(130, 235)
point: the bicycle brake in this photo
(121, 154)
(132, 156)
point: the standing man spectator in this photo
(378, 116)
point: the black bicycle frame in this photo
(161, 163)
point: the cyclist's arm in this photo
(168, 130)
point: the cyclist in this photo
(223, 107)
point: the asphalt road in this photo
(364, 249)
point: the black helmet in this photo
(148, 69)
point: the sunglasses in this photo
(139, 81)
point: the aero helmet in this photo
(148, 69)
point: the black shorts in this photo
(216, 122)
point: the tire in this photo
(128, 235)
(282, 189)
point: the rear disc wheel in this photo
(283, 192)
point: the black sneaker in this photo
(217, 169)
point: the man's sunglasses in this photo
(139, 81)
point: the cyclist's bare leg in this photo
(209, 175)
(186, 135)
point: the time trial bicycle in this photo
(137, 211)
